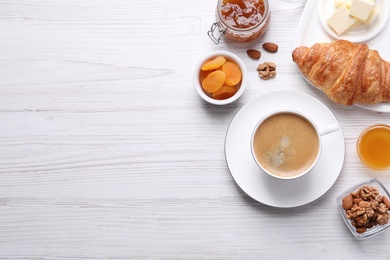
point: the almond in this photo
(364, 204)
(386, 201)
(270, 47)
(347, 202)
(361, 229)
(254, 54)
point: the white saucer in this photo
(264, 188)
(359, 32)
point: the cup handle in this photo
(329, 129)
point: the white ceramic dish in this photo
(360, 32)
(264, 188)
(310, 31)
(198, 86)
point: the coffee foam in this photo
(279, 153)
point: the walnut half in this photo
(267, 70)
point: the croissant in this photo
(348, 73)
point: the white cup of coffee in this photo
(287, 144)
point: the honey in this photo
(373, 147)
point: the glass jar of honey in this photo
(373, 147)
(240, 20)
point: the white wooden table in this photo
(107, 151)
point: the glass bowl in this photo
(370, 231)
(373, 146)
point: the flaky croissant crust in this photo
(346, 72)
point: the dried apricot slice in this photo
(224, 92)
(214, 81)
(203, 74)
(214, 63)
(233, 73)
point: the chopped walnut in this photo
(383, 218)
(374, 204)
(361, 221)
(382, 208)
(267, 70)
(368, 192)
(368, 209)
(370, 212)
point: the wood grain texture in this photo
(107, 152)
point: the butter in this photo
(347, 3)
(340, 21)
(361, 9)
(374, 13)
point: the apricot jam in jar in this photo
(240, 20)
(373, 147)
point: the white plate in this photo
(360, 32)
(264, 188)
(310, 31)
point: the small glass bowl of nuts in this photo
(365, 208)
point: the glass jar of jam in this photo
(240, 20)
